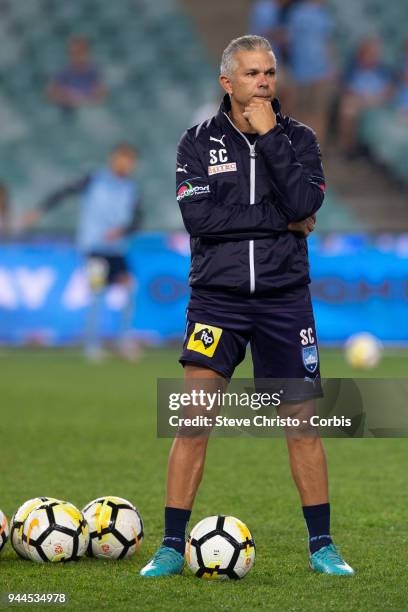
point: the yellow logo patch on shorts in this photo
(204, 339)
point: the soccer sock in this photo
(175, 523)
(92, 335)
(127, 313)
(318, 525)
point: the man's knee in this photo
(300, 425)
(196, 426)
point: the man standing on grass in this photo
(109, 213)
(249, 182)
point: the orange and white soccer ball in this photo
(220, 547)
(116, 528)
(17, 523)
(55, 531)
(4, 530)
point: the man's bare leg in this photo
(309, 470)
(349, 110)
(187, 454)
(308, 461)
(184, 473)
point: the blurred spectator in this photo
(4, 211)
(311, 59)
(265, 20)
(79, 82)
(401, 95)
(368, 84)
(400, 100)
(268, 18)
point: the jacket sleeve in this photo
(297, 174)
(205, 218)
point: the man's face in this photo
(254, 76)
(370, 54)
(123, 162)
(78, 52)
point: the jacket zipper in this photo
(252, 157)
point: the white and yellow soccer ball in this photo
(4, 530)
(55, 531)
(363, 351)
(17, 523)
(220, 547)
(115, 526)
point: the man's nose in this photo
(262, 81)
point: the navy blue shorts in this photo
(116, 266)
(283, 346)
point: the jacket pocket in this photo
(222, 265)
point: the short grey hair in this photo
(249, 42)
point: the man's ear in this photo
(225, 83)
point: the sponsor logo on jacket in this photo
(187, 190)
(231, 167)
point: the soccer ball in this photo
(116, 528)
(55, 531)
(220, 547)
(17, 523)
(363, 351)
(4, 530)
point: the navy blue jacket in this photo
(237, 199)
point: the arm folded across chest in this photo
(205, 218)
(297, 173)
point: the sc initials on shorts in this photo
(306, 336)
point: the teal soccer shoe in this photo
(327, 560)
(165, 562)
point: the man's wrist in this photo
(263, 132)
(273, 130)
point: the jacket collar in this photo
(225, 108)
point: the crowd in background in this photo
(78, 83)
(313, 85)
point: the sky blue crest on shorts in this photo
(310, 358)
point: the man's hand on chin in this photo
(260, 115)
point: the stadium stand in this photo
(156, 73)
(391, 149)
(354, 20)
(151, 96)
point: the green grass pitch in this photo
(77, 431)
